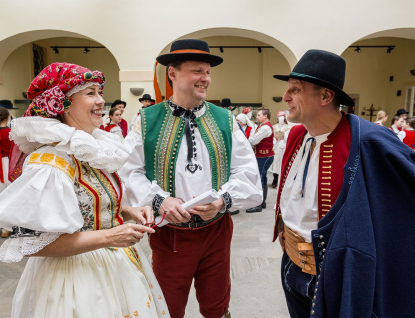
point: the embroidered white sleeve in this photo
(41, 199)
(263, 132)
(139, 191)
(244, 184)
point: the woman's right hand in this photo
(126, 235)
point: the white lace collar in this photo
(102, 150)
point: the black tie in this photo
(188, 116)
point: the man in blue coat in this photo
(346, 205)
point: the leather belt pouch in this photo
(300, 252)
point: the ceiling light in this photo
(259, 49)
(221, 49)
(358, 50)
(389, 50)
(86, 50)
(55, 49)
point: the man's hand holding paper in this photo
(208, 211)
(175, 213)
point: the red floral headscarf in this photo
(246, 110)
(49, 90)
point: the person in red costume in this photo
(5, 144)
(262, 139)
(409, 139)
(113, 125)
(121, 105)
(340, 232)
(245, 123)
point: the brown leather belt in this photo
(300, 252)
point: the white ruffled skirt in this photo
(102, 283)
(279, 153)
(5, 164)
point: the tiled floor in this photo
(256, 284)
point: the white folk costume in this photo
(244, 171)
(183, 153)
(4, 157)
(67, 183)
(70, 185)
(279, 146)
(223, 160)
(115, 129)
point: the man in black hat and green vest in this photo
(147, 101)
(342, 234)
(184, 147)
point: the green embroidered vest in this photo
(162, 136)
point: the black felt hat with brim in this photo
(189, 50)
(401, 112)
(7, 104)
(146, 97)
(226, 102)
(118, 101)
(322, 68)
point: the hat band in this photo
(303, 75)
(190, 51)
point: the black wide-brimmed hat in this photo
(322, 68)
(401, 112)
(146, 97)
(226, 102)
(7, 104)
(118, 101)
(189, 50)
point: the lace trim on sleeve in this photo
(14, 249)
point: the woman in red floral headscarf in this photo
(65, 208)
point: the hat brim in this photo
(8, 107)
(344, 99)
(141, 99)
(166, 59)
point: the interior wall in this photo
(368, 74)
(17, 77)
(18, 68)
(97, 59)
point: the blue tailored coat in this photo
(364, 246)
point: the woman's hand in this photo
(142, 215)
(126, 235)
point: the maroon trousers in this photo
(203, 254)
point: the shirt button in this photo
(321, 237)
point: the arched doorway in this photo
(27, 53)
(379, 72)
